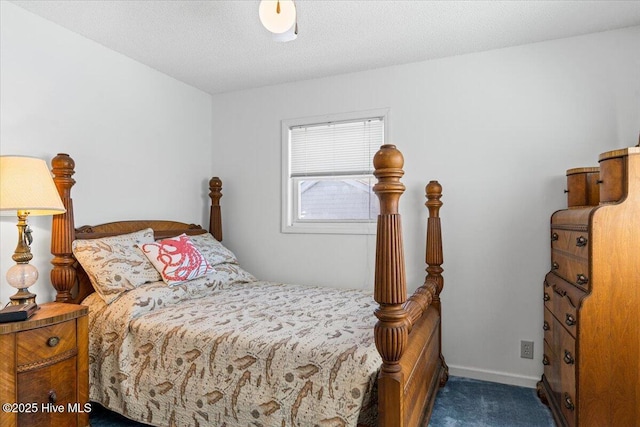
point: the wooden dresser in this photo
(592, 298)
(44, 368)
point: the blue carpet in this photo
(101, 417)
(466, 402)
(463, 402)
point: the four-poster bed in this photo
(401, 385)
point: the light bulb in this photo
(277, 16)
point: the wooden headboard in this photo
(67, 276)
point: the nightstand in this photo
(44, 368)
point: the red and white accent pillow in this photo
(176, 259)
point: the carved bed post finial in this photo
(215, 216)
(63, 275)
(392, 329)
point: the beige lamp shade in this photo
(26, 185)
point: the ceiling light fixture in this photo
(279, 17)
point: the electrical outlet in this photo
(526, 349)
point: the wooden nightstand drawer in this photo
(44, 343)
(49, 387)
(44, 363)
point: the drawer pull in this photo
(545, 326)
(546, 297)
(581, 241)
(568, 358)
(52, 396)
(581, 279)
(566, 191)
(599, 181)
(568, 403)
(555, 266)
(545, 360)
(570, 320)
(554, 237)
(53, 341)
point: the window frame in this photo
(289, 224)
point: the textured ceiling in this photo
(220, 46)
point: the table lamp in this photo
(26, 188)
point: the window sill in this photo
(330, 228)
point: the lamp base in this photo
(23, 296)
(21, 276)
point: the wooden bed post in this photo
(434, 257)
(215, 216)
(63, 275)
(392, 329)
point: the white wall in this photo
(498, 129)
(141, 140)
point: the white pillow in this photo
(115, 264)
(215, 252)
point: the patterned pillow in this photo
(177, 259)
(213, 251)
(115, 264)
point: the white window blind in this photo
(336, 148)
(327, 172)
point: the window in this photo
(328, 173)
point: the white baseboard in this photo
(493, 376)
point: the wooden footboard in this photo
(408, 332)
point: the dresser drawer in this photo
(549, 326)
(559, 369)
(560, 381)
(39, 344)
(572, 268)
(564, 299)
(611, 182)
(582, 187)
(567, 360)
(551, 364)
(575, 243)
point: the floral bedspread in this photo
(242, 354)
